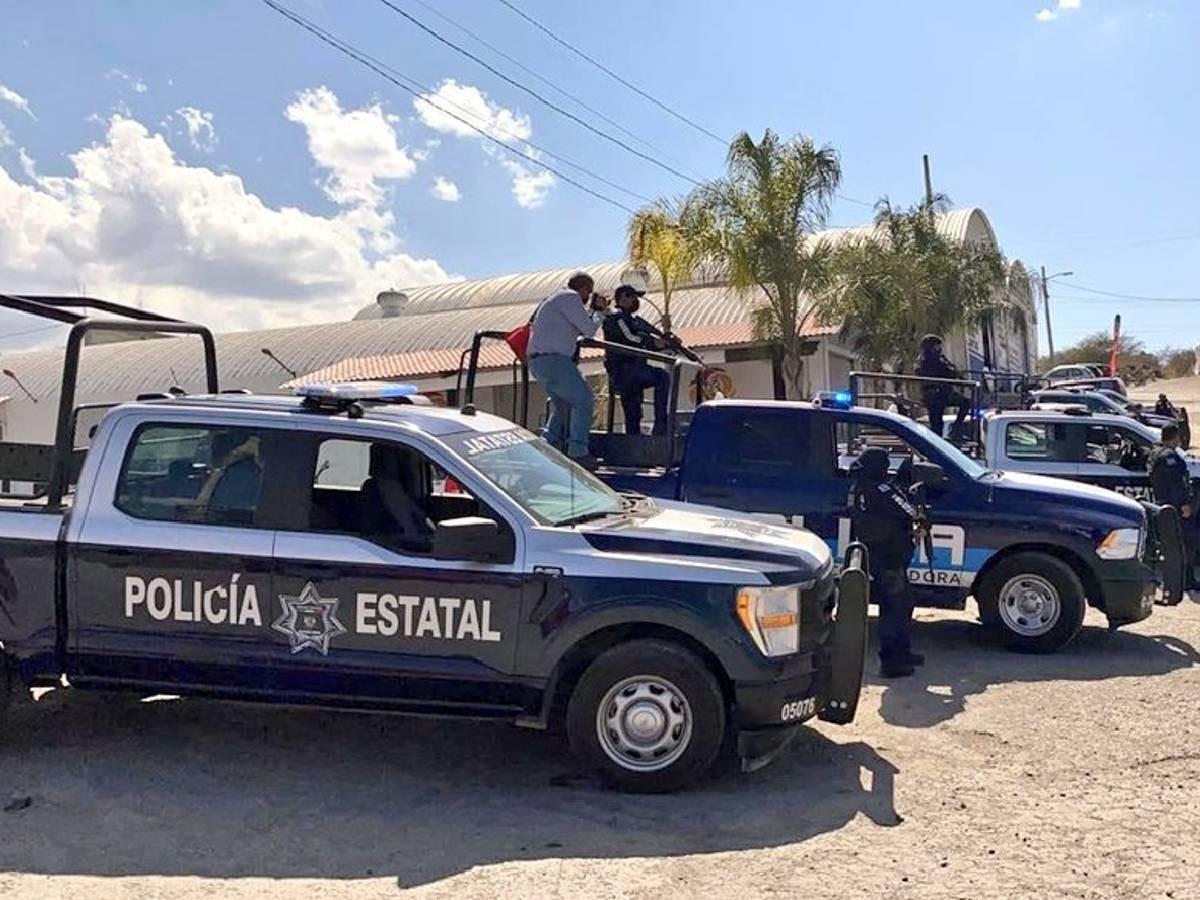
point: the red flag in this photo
(1112, 359)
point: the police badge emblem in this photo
(309, 620)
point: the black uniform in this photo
(884, 518)
(1172, 486)
(631, 375)
(932, 363)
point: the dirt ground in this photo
(990, 775)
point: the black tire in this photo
(645, 664)
(1032, 630)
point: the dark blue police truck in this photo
(1034, 552)
(307, 550)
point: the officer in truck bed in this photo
(884, 518)
(631, 375)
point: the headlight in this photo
(1120, 543)
(771, 615)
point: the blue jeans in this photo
(570, 402)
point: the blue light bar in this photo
(357, 390)
(833, 399)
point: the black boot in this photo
(896, 668)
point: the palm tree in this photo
(907, 278)
(757, 223)
(655, 238)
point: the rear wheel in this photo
(1035, 602)
(648, 715)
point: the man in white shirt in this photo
(559, 322)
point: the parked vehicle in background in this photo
(1116, 385)
(1076, 372)
(1103, 402)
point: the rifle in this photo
(922, 524)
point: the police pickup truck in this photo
(295, 549)
(1034, 552)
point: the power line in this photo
(543, 79)
(16, 334)
(421, 94)
(1091, 290)
(603, 68)
(566, 113)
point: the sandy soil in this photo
(992, 775)
(1181, 391)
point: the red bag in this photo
(518, 340)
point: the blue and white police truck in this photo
(355, 547)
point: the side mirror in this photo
(930, 474)
(470, 538)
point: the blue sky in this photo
(213, 160)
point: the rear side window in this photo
(186, 473)
(772, 443)
(1042, 441)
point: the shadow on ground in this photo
(122, 787)
(962, 660)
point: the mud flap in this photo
(1172, 552)
(848, 648)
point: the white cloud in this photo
(529, 186)
(447, 190)
(135, 84)
(358, 147)
(473, 105)
(199, 126)
(1046, 14)
(136, 223)
(5, 136)
(11, 97)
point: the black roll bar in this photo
(64, 430)
(471, 359)
(972, 388)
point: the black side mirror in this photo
(929, 474)
(471, 538)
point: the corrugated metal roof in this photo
(437, 318)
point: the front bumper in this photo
(766, 713)
(1128, 587)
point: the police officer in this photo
(1172, 486)
(932, 363)
(631, 375)
(884, 518)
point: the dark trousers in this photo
(937, 404)
(631, 386)
(1191, 543)
(889, 588)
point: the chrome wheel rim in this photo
(644, 723)
(1029, 605)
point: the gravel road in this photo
(989, 775)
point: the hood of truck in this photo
(696, 533)
(1043, 489)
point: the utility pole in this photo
(928, 181)
(1046, 304)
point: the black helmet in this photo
(872, 464)
(929, 340)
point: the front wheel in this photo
(648, 715)
(1035, 602)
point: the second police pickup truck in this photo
(1034, 552)
(295, 549)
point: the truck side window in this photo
(1109, 445)
(384, 492)
(768, 442)
(855, 437)
(186, 473)
(1042, 441)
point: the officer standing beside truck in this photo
(1172, 486)
(884, 519)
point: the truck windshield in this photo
(547, 485)
(969, 467)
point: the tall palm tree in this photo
(655, 238)
(757, 223)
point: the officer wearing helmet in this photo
(932, 363)
(884, 519)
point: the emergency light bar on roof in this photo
(349, 396)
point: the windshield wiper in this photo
(592, 516)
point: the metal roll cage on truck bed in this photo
(309, 550)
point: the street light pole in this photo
(1046, 306)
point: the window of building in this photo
(188, 473)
